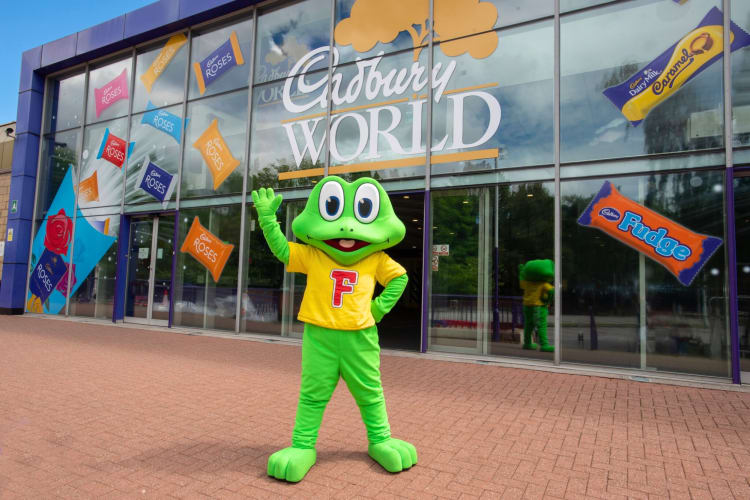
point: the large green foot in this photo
(291, 464)
(531, 346)
(394, 455)
(547, 348)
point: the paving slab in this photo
(94, 410)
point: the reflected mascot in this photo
(345, 227)
(536, 282)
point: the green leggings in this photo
(327, 355)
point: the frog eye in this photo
(331, 200)
(366, 203)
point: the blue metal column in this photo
(22, 184)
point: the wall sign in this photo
(376, 123)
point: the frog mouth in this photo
(346, 245)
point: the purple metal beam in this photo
(174, 266)
(426, 266)
(734, 333)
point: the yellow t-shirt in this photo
(534, 292)
(338, 296)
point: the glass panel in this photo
(160, 73)
(629, 37)
(207, 298)
(377, 27)
(524, 232)
(95, 293)
(139, 268)
(568, 5)
(59, 154)
(485, 124)
(458, 284)
(288, 35)
(109, 91)
(367, 28)
(283, 142)
(157, 137)
(223, 55)
(742, 228)
(264, 297)
(626, 309)
(517, 11)
(64, 103)
(215, 146)
(740, 74)
(163, 270)
(379, 130)
(104, 154)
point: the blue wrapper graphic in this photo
(673, 68)
(165, 121)
(157, 182)
(218, 62)
(47, 272)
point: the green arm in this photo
(384, 302)
(266, 205)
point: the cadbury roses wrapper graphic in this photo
(59, 231)
(207, 249)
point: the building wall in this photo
(505, 175)
(6, 161)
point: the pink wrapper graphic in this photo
(111, 93)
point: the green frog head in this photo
(537, 270)
(349, 221)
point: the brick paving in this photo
(90, 410)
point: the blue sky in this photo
(27, 24)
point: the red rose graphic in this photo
(59, 231)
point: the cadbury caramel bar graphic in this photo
(676, 66)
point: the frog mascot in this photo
(345, 227)
(536, 277)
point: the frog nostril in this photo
(351, 230)
(342, 228)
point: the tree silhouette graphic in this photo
(373, 21)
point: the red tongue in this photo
(337, 245)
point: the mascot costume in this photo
(536, 277)
(345, 227)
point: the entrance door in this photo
(401, 328)
(149, 270)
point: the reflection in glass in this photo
(199, 177)
(287, 35)
(109, 91)
(284, 143)
(378, 131)
(480, 236)
(64, 103)
(742, 235)
(160, 73)
(96, 293)
(199, 300)
(628, 36)
(99, 171)
(622, 309)
(155, 136)
(740, 75)
(267, 306)
(59, 153)
(223, 65)
(507, 120)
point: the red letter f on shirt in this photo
(343, 282)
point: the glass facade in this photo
(148, 157)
